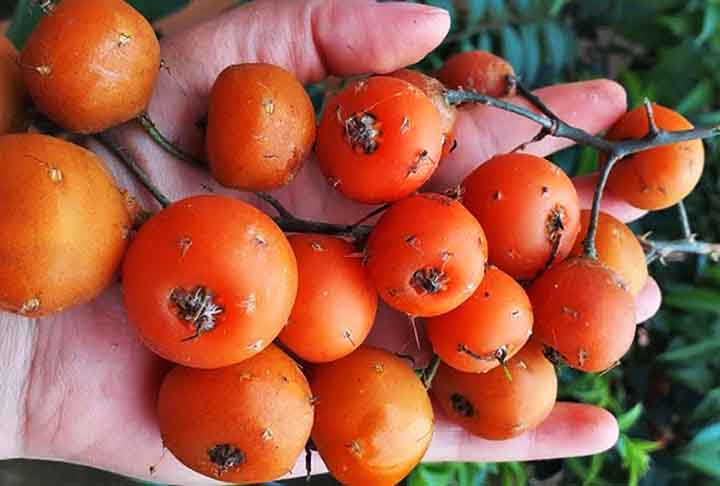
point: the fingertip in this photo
(577, 429)
(377, 37)
(648, 301)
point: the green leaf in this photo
(698, 98)
(529, 33)
(635, 454)
(694, 352)
(704, 450)
(512, 48)
(557, 6)
(596, 464)
(431, 474)
(628, 419)
(555, 45)
(23, 21)
(476, 11)
(153, 10)
(698, 377)
(710, 23)
(689, 298)
(708, 408)
(498, 10)
(484, 42)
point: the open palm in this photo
(91, 386)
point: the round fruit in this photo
(91, 64)
(209, 281)
(373, 418)
(660, 177)
(529, 209)
(478, 71)
(434, 90)
(379, 140)
(248, 422)
(618, 248)
(426, 255)
(64, 227)
(336, 302)
(504, 402)
(261, 127)
(12, 89)
(486, 329)
(583, 312)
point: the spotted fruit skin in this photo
(261, 127)
(65, 225)
(91, 64)
(373, 417)
(243, 423)
(380, 139)
(584, 312)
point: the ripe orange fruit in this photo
(583, 312)
(248, 422)
(479, 71)
(434, 90)
(486, 329)
(502, 403)
(336, 301)
(379, 140)
(209, 281)
(618, 248)
(373, 417)
(426, 255)
(91, 64)
(64, 227)
(261, 127)
(660, 177)
(12, 89)
(529, 210)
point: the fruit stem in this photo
(667, 250)
(130, 163)
(589, 247)
(685, 221)
(428, 374)
(152, 130)
(290, 223)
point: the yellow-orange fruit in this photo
(583, 312)
(373, 417)
(660, 177)
(492, 325)
(12, 89)
(434, 90)
(504, 402)
(617, 247)
(247, 422)
(91, 64)
(336, 301)
(64, 227)
(478, 71)
(261, 127)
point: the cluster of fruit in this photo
(496, 266)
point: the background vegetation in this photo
(666, 394)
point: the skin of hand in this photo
(80, 387)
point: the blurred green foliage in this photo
(666, 394)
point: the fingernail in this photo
(417, 8)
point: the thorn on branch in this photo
(652, 125)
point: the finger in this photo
(648, 301)
(483, 131)
(610, 203)
(311, 38)
(571, 430)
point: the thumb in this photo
(311, 38)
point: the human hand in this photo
(80, 387)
